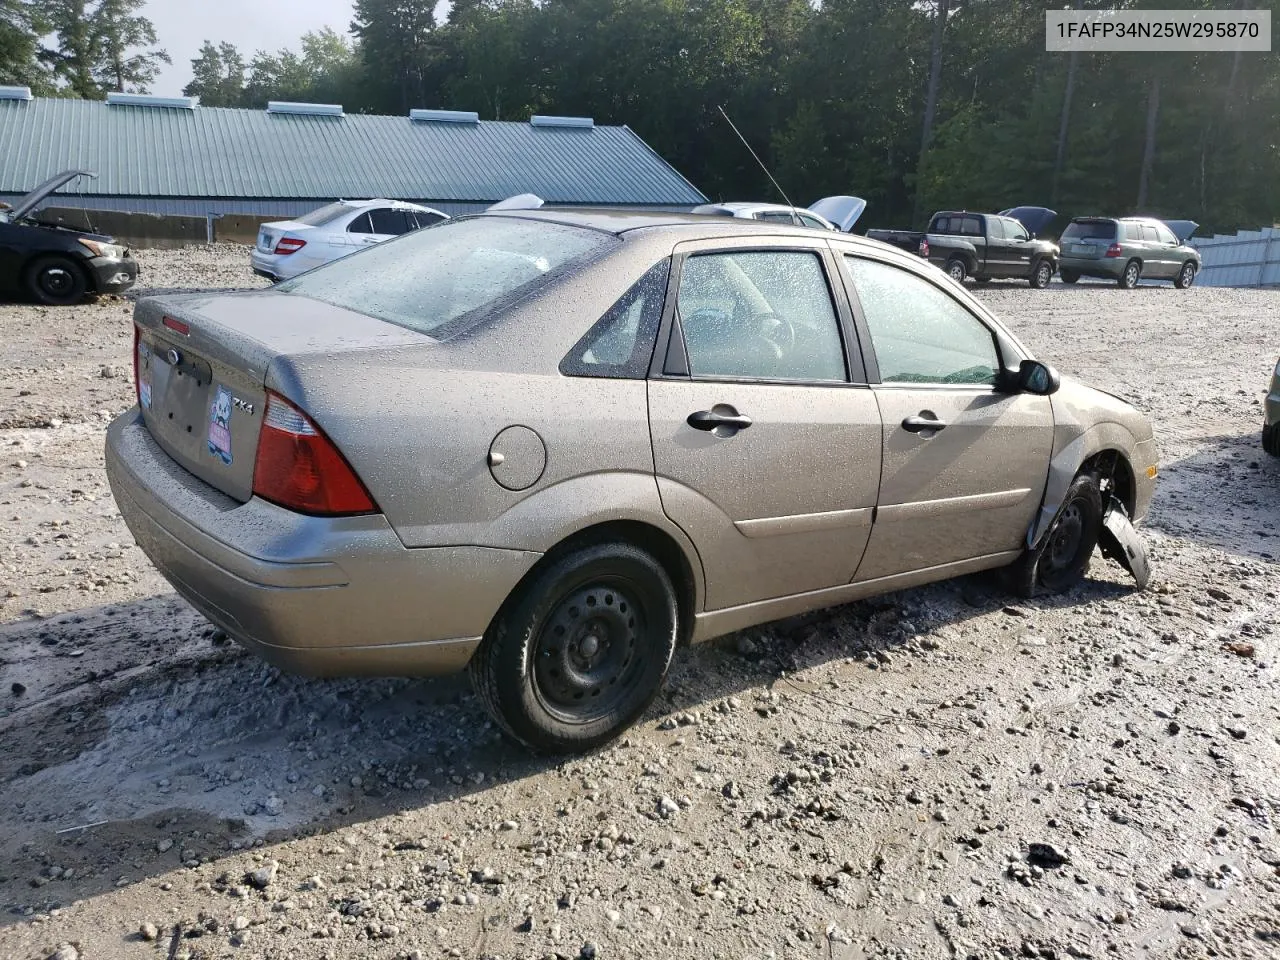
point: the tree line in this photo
(912, 104)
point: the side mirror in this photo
(1038, 378)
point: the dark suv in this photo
(1128, 249)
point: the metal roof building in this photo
(171, 155)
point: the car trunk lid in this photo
(269, 234)
(1088, 239)
(204, 365)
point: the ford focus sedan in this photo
(552, 446)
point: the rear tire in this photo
(1186, 276)
(1271, 439)
(56, 281)
(1041, 274)
(1061, 558)
(1132, 272)
(1069, 276)
(579, 652)
(957, 270)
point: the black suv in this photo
(56, 264)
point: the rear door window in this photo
(760, 315)
(389, 221)
(995, 226)
(971, 227)
(1149, 234)
(360, 224)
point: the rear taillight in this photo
(924, 248)
(287, 245)
(1114, 250)
(137, 383)
(298, 467)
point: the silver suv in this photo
(1128, 249)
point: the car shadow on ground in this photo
(1225, 496)
(213, 752)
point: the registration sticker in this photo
(220, 425)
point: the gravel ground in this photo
(936, 773)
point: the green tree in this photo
(102, 45)
(217, 76)
(397, 44)
(21, 24)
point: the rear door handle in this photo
(709, 420)
(925, 421)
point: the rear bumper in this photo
(319, 596)
(1109, 267)
(113, 275)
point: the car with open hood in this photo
(1129, 250)
(552, 445)
(838, 213)
(55, 263)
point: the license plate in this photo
(1082, 248)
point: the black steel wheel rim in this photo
(1065, 538)
(588, 651)
(57, 281)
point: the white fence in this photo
(1251, 258)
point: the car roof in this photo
(681, 226)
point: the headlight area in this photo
(98, 249)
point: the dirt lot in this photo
(871, 782)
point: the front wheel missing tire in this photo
(1061, 558)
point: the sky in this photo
(182, 25)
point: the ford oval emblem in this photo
(174, 357)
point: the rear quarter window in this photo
(620, 344)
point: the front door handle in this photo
(711, 420)
(924, 422)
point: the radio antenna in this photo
(775, 183)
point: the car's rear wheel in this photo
(1129, 279)
(581, 649)
(1271, 439)
(1069, 276)
(1061, 558)
(56, 281)
(1041, 274)
(957, 270)
(1186, 276)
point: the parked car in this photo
(287, 248)
(1271, 416)
(1128, 249)
(829, 213)
(984, 246)
(54, 263)
(553, 445)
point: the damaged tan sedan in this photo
(555, 445)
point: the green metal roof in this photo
(208, 152)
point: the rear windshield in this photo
(1090, 230)
(451, 276)
(318, 218)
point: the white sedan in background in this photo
(287, 248)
